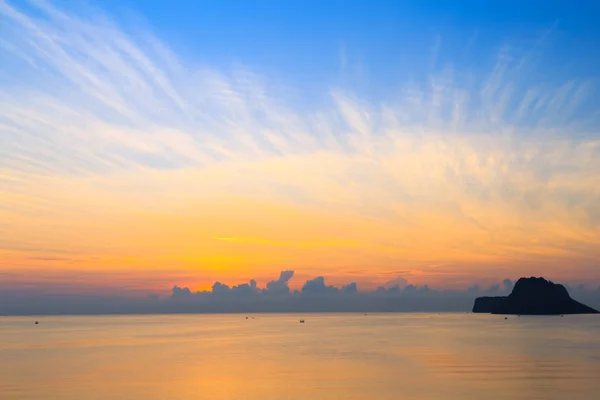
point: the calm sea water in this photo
(331, 356)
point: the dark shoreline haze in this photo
(276, 297)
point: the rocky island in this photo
(533, 296)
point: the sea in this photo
(276, 357)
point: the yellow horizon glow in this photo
(200, 220)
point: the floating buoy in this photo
(36, 322)
(505, 317)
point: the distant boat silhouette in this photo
(301, 321)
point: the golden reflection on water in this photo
(331, 356)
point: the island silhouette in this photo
(533, 296)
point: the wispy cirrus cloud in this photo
(330, 243)
(112, 145)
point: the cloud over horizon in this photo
(315, 295)
(120, 153)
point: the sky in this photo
(147, 144)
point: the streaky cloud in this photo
(109, 140)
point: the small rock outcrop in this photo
(533, 296)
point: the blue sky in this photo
(439, 142)
(376, 48)
(371, 46)
(387, 37)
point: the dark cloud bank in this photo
(314, 296)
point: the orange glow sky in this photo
(147, 186)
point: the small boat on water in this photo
(301, 321)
